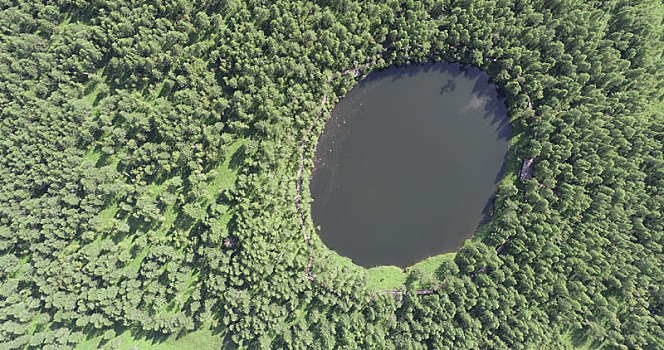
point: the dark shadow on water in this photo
(449, 86)
(501, 172)
(488, 207)
(495, 109)
(396, 73)
(486, 212)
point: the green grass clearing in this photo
(201, 339)
(431, 264)
(385, 277)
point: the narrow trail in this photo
(398, 295)
(298, 198)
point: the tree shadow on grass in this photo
(104, 159)
(137, 334)
(237, 159)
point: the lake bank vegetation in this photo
(387, 157)
(136, 138)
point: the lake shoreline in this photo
(321, 162)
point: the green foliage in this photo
(148, 172)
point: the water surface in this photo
(408, 162)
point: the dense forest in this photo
(155, 160)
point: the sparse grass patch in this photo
(201, 339)
(385, 277)
(431, 264)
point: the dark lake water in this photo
(408, 163)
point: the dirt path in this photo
(308, 274)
